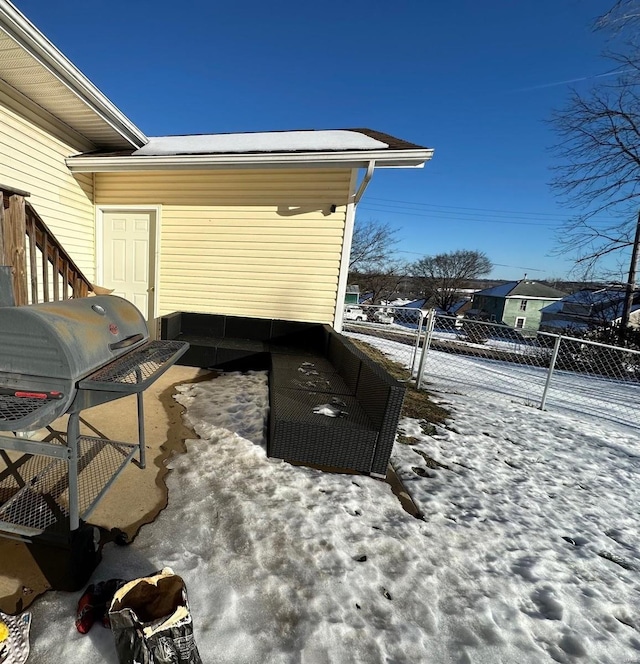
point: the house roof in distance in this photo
(314, 147)
(523, 288)
(609, 302)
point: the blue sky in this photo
(475, 80)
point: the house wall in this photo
(531, 315)
(32, 153)
(493, 306)
(254, 242)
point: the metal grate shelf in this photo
(136, 370)
(13, 409)
(42, 504)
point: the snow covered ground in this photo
(570, 393)
(528, 550)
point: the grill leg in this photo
(73, 434)
(141, 430)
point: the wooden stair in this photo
(41, 269)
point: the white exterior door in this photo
(128, 241)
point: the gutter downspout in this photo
(350, 216)
(365, 182)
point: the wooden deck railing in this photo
(42, 270)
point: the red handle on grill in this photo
(28, 394)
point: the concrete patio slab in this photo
(135, 498)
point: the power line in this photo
(521, 213)
(518, 267)
(456, 207)
(435, 215)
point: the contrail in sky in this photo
(571, 80)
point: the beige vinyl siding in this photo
(256, 242)
(32, 159)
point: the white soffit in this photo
(33, 66)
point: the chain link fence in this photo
(549, 371)
(396, 331)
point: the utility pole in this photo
(631, 285)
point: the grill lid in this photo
(68, 340)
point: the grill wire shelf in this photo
(42, 503)
(49, 487)
(134, 371)
(14, 409)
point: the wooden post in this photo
(2, 255)
(45, 267)
(56, 273)
(15, 246)
(65, 279)
(33, 261)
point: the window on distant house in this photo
(523, 305)
(520, 323)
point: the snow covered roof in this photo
(498, 291)
(353, 148)
(608, 302)
(523, 288)
(614, 312)
(266, 141)
(552, 308)
(415, 304)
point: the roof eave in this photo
(34, 42)
(348, 159)
(534, 297)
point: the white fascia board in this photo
(24, 33)
(359, 159)
(531, 297)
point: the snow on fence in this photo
(550, 372)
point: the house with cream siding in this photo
(253, 224)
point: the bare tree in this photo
(443, 276)
(621, 19)
(598, 170)
(598, 151)
(383, 283)
(372, 246)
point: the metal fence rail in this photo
(549, 371)
(396, 331)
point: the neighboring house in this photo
(588, 309)
(415, 304)
(256, 224)
(352, 294)
(457, 309)
(515, 303)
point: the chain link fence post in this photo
(552, 365)
(416, 346)
(431, 319)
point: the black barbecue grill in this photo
(61, 358)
